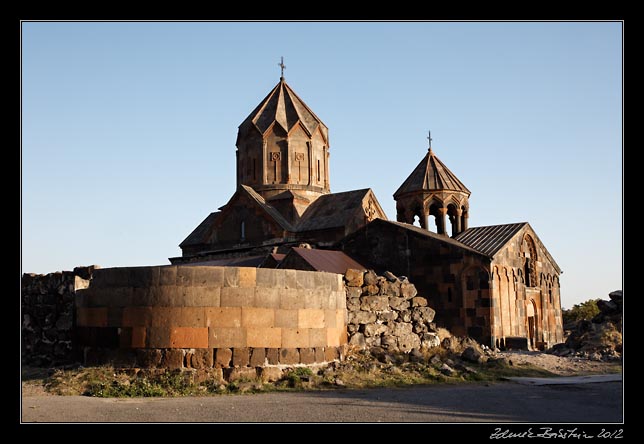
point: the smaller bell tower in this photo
(433, 190)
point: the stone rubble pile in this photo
(385, 313)
(600, 338)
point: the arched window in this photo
(529, 252)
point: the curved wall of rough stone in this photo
(202, 316)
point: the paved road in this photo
(502, 402)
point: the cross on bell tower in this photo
(282, 66)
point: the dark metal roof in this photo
(198, 234)
(490, 239)
(424, 232)
(327, 260)
(431, 175)
(332, 210)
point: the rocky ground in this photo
(562, 366)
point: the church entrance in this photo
(530, 316)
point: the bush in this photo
(585, 310)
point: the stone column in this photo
(457, 220)
(466, 214)
(440, 219)
(424, 221)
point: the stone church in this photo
(497, 284)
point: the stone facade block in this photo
(172, 359)
(191, 317)
(237, 297)
(231, 277)
(229, 317)
(272, 355)
(168, 275)
(212, 277)
(331, 353)
(330, 318)
(185, 276)
(149, 357)
(267, 297)
(317, 337)
(263, 337)
(354, 278)
(257, 357)
(91, 317)
(295, 337)
(239, 373)
(189, 337)
(286, 318)
(203, 297)
(139, 337)
(159, 337)
(307, 356)
(257, 317)
(247, 277)
(310, 318)
(291, 299)
(305, 280)
(226, 337)
(289, 356)
(319, 354)
(223, 357)
(241, 356)
(290, 279)
(202, 358)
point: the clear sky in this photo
(128, 129)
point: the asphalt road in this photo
(502, 402)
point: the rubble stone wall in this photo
(47, 306)
(385, 312)
(203, 317)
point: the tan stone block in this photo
(185, 275)
(137, 316)
(330, 319)
(241, 357)
(310, 318)
(223, 356)
(247, 277)
(223, 316)
(272, 354)
(291, 299)
(307, 355)
(237, 297)
(267, 297)
(331, 353)
(165, 316)
(205, 276)
(204, 297)
(231, 276)
(257, 317)
(333, 337)
(159, 337)
(317, 337)
(290, 279)
(257, 357)
(220, 337)
(319, 354)
(295, 337)
(91, 317)
(138, 337)
(330, 300)
(341, 318)
(201, 358)
(172, 359)
(191, 317)
(315, 298)
(264, 337)
(286, 318)
(305, 279)
(168, 275)
(189, 337)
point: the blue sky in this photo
(128, 129)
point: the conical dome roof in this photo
(431, 175)
(283, 107)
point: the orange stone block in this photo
(295, 337)
(260, 337)
(341, 318)
(138, 337)
(257, 317)
(165, 316)
(317, 337)
(223, 317)
(137, 316)
(310, 318)
(333, 337)
(91, 317)
(189, 337)
(192, 317)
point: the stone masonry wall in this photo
(386, 313)
(47, 303)
(211, 317)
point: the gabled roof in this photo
(331, 261)
(246, 261)
(276, 215)
(332, 210)
(199, 234)
(490, 239)
(283, 107)
(427, 233)
(431, 175)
